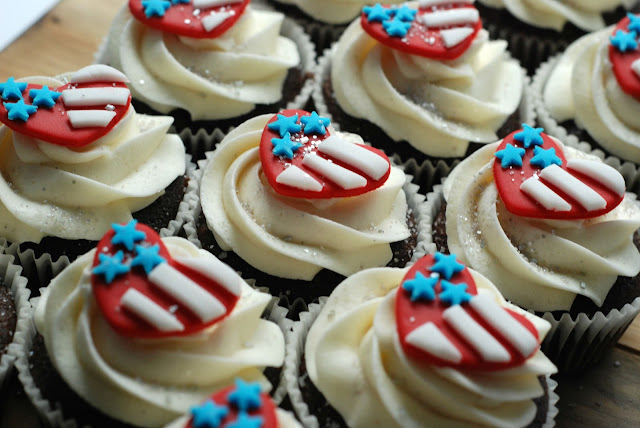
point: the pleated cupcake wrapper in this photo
(51, 412)
(45, 268)
(572, 345)
(293, 359)
(322, 73)
(17, 284)
(629, 170)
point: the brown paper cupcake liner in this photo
(295, 352)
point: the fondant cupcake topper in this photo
(200, 19)
(443, 320)
(239, 406)
(143, 291)
(75, 114)
(534, 179)
(301, 159)
(624, 54)
(438, 29)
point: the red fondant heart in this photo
(429, 41)
(54, 125)
(510, 179)
(216, 285)
(185, 19)
(429, 332)
(621, 63)
(266, 411)
(325, 187)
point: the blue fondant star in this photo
(543, 158)
(12, 90)
(246, 396)
(155, 7)
(446, 266)
(454, 294)
(624, 41)
(284, 146)
(315, 123)
(208, 415)
(147, 257)
(20, 110)
(396, 27)
(44, 97)
(246, 421)
(510, 156)
(127, 234)
(634, 22)
(529, 136)
(111, 266)
(180, 1)
(285, 124)
(421, 287)
(377, 13)
(406, 14)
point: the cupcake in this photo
(592, 89)
(553, 229)
(422, 81)
(537, 30)
(241, 405)
(434, 345)
(77, 157)
(141, 329)
(297, 206)
(210, 64)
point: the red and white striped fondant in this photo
(626, 63)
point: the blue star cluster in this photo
(288, 125)
(396, 21)
(245, 397)
(19, 110)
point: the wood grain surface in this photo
(67, 38)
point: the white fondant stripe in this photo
(601, 172)
(428, 3)
(442, 18)
(88, 118)
(635, 66)
(187, 292)
(546, 197)
(454, 36)
(98, 73)
(203, 4)
(150, 311)
(585, 195)
(211, 21)
(357, 156)
(86, 97)
(214, 269)
(295, 177)
(479, 338)
(503, 322)
(339, 175)
(429, 338)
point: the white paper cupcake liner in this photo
(17, 284)
(629, 170)
(293, 358)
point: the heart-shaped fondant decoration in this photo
(534, 179)
(438, 29)
(242, 405)
(200, 19)
(144, 292)
(442, 320)
(624, 54)
(73, 115)
(301, 159)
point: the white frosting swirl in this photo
(333, 11)
(437, 106)
(554, 14)
(149, 382)
(290, 237)
(354, 357)
(76, 193)
(211, 78)
(594, 99)
(537, 264)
